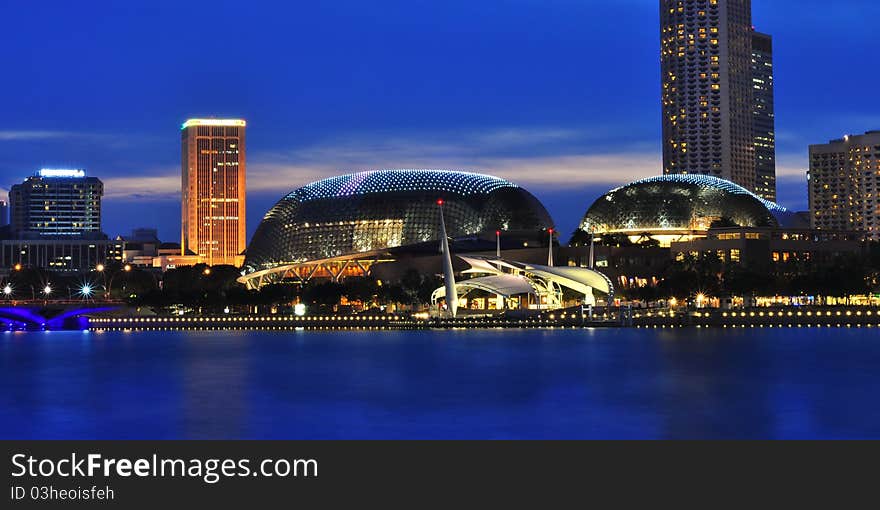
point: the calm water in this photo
(763, 383)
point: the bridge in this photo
(50, 315)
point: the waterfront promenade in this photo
(837, 316)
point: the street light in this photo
(7, 290)
(127, 268)
(86, 290)
(207, 271)
(99, 268)
(47, 290)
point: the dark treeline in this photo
(216, 289)
(212, 289)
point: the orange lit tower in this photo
(213, 190)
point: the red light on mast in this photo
(497, 233)
(440, 201)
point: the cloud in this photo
(9, 136)
(526, 156)
(531, 157)
(791, 165)
(538, 159)
(610, 169)
(162, 184)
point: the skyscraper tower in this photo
(764, 116)
(707, 98)
(213, 190)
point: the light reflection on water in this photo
(617, 383)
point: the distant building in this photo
(144, 234)
(761, 247)
(56, 203)
(764, 116)
(707, 98)
(4, 213)
(213, 190)
(139, 248)
(844, 183)
(65, 255)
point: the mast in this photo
(448, 274)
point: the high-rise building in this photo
(213, 190)
(4, 213)
(764, 116)
(844, 183)
(56, 202)
(707, 89)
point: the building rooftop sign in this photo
(213, 122)
(61, 172)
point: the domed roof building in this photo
(384, 209)
(675, 205)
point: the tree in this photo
(324, 294)
(580, 238)
(616, 240)
(724, 222)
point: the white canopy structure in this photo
(508, 279)
(504, 285)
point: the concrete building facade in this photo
(56, 202)
(844, 182)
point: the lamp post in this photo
(100, 268)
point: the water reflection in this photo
(769, 383)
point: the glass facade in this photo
(381, 209)
(678, 203)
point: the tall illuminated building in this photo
(213, 190)
(764, 116)
(707, 92)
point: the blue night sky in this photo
(561, 96)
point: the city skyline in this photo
(402, 101)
